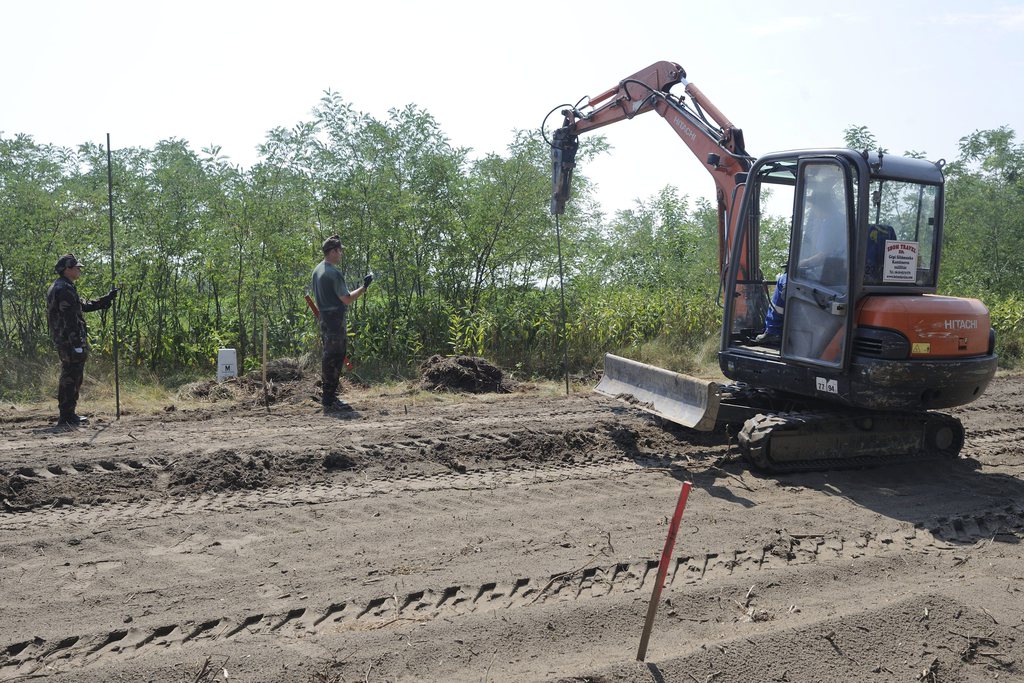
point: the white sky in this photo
(919, 74)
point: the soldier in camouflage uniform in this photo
(68, 331)
(333, 299)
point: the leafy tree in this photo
(861, 138)
(38, 210)
(463, 247)
(985, 214)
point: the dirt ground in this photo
(494, 537)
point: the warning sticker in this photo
(900, 262)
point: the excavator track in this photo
(826, 440)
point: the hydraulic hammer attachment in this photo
(682, 399)
(563, 161)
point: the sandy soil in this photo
(495, 538)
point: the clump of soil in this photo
(224, 470)
(278, 370)
(463, 373)
(230, 470)
(284, 380)
(9, 487)
(208, 390)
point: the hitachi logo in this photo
(960, 324)
(687, 131)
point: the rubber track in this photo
(755, 439)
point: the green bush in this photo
(1008, 322)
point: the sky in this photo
(792, 74)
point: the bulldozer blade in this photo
(682, 399)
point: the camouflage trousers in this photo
(334, 335)
(71, 372)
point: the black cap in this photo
(332, 242)
(66, 261)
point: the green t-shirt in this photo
(329, 287)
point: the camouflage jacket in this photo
(64, 317)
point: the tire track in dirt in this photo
(395, 446)
(998, 433)
(503, 445)
(979, 440)
(374, 442)
(475, 416)
(998, 447)
(928, 637)
(321, 493)
(976, 442)
(993, 405)
(592, 581)
(259, 476)
(53, 471)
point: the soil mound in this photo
(208, 390)
(280, 370)
(463, 373)
(284, 379)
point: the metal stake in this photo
(113, 280)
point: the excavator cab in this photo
(861, 324)
(815, 245)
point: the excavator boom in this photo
(712, 137)
(716, 142)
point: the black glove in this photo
(367, 280)
(112, 294)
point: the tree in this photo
(38, 209)
(861, 138)
(985, 214)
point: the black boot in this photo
(335, 406)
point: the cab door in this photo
(818, 312)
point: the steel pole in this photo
(113, 279)
(561, 291)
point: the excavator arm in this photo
(712, 138)
(717, 143)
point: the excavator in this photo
(866, 352)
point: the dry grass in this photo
(143, 392)
(140, 391)
(700, 360)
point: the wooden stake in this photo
(666, 555)
(266, 400)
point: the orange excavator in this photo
(842, 360)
